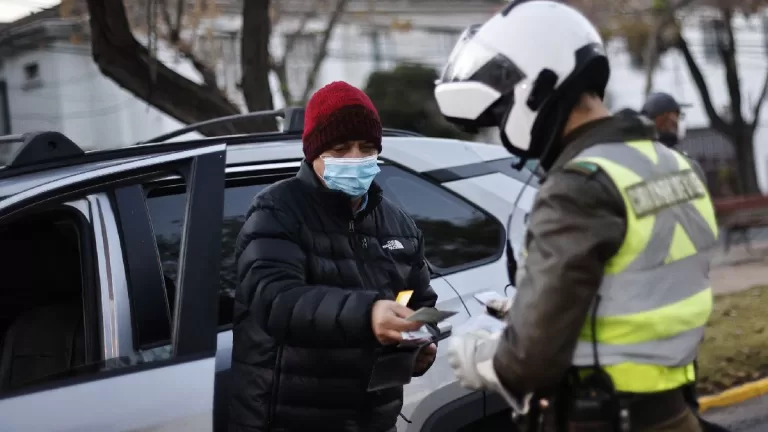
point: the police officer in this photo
(666, 113)
(614, 293)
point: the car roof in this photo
(417, 153)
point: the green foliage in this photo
(405, 99)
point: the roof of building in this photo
(51, 12)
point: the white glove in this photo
(471, 357)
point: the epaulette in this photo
(582, 167)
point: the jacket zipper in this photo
(358, 257)
(359, 261)
(275, 387)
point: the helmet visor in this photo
(471, 60)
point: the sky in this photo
(11, 10)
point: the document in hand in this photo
(430, 315)
(395, 363)
(394, 366)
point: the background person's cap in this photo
(660, 103)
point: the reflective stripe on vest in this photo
(655, 298)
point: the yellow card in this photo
(403, 297)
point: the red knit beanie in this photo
(338, 113)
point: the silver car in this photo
(117, 307)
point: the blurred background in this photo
(109, 73)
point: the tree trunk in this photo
(745, 162)
(652, 51)
(255, 61)
(128, 63)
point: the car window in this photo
(42, 330)
(166, 211)
(456, 233)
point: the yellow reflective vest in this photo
(655, 298)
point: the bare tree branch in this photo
(179, 16)
(652, 50)
(280, 66)
(322, 50)
(757, 108)
(663, 17)
(166, 11)
(698, 78)
(127, 62)
(726, 47)
(255, 60)
(186, 50)
(290, 40)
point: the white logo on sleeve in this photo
(393, 244)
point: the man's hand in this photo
(424, 359)
(471, 357)
(388, 321)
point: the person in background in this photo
(321, 259)
(667, 114)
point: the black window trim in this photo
(145, 282)
(91, 287)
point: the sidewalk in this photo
(738, 269)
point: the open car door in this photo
(166, 388)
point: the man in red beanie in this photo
(321, 259)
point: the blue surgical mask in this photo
(353, 176)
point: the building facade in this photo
(48, 80)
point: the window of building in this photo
(456, 233)
(31, 76)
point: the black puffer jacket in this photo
(309, 274)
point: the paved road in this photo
(750, 416)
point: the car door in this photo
(166, 389)
(165, 205)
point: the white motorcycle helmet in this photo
(523, 71)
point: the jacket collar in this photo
(335, 201)
(616, 129)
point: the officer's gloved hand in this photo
(498, 308)
(471, 357)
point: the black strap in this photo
(593, 327)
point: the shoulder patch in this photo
(582, 167)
